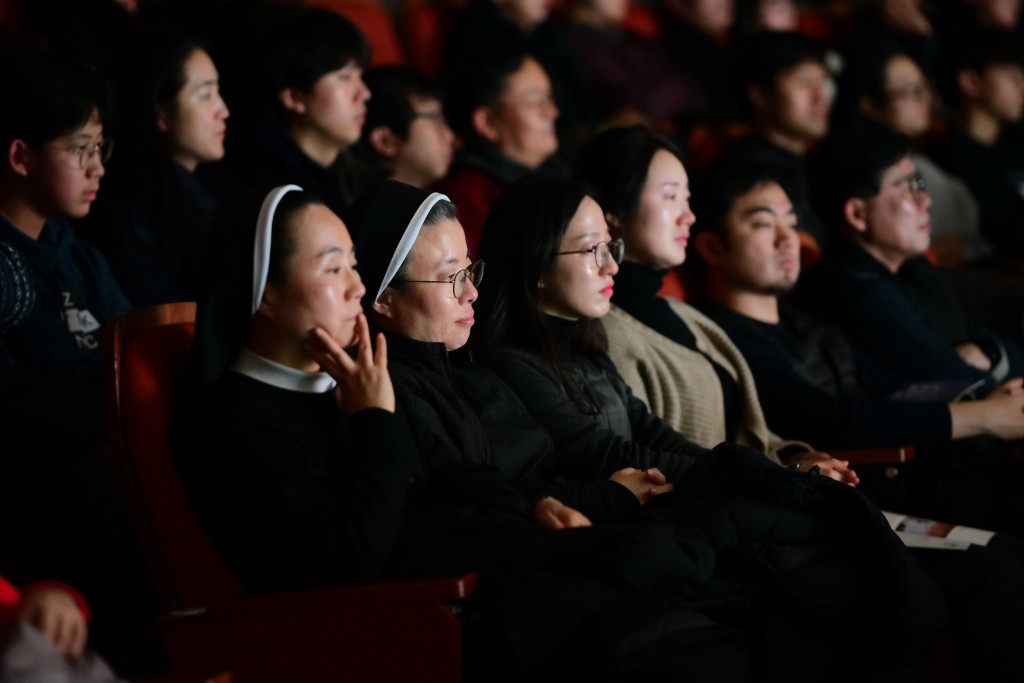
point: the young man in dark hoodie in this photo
(51, 129)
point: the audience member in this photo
(152, 220)
(331, 489)
(886, 86)
(892, 303)
(53, 136)
(989, 91)
(43, 636)
(784, 78)
(406, 132)
(307, 104)
(674, 359)
(504, 110)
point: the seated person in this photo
(308, 104)
(52, 134)
(552, 266)
(504, 110)
(43, 635)
(891, 302)
(422, 288)
(405, 134)
(305, 477)
(886, 86)
(674, 359)
(989, 101)
(815, 385)
(152, 220)
(785, 82)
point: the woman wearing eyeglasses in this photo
(675, 359)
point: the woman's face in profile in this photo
(196, 127)
(322, 287)
(660, 230)
(580, 281)
(425, 307)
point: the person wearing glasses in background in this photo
(406, 136)
(54, 151)
(891, 302)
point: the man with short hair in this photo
(789, 90)
(405, 131)
(505, 111)
(876, 283)
(989, 89)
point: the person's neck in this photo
(791, 143)
(263, 342)
(762, 307)
(412, 178)
(21, 214)
(314, 146)
(589, 16)
(979, 125)
(187, 162)
(892, 262)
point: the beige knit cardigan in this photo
(681, 386)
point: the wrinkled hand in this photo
(363, 382)
(829, 466)
(644, 484)
(972, 354)
(56, 614)
(554, 515)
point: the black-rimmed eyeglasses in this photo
(473, 273)
(604, 252)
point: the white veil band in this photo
(412, 231)
(261, 250)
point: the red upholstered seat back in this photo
(189, 572)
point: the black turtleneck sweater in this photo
(636, 292)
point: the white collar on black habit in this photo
(281, 376)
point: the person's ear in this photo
(161, 119)
(969, 82)
(710, 247)
(384, 142)
(614, 225)
(482, 120)
(869, 109)
(855, 212)
(270, 301)
(384, 305)
(759, 98)
(18, 157)
(293, 100)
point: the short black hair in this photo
(851, 164)
(394, 88)
(864, 75)
(715, 191)
(48, 95)
(765, 55)
(298, 45)
(977, 51)
(481, 82)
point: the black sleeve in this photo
(286, 517)
(583, 449)
(795, 407)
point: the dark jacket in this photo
(624, 433)
(75, 295)
(910, 322)
(465, 414)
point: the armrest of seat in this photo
(388, 593)
(876, 456)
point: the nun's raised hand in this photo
(363, 382)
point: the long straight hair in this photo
(520, 242)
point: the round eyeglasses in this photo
(472, 273)
(85, 153)
(604, 252)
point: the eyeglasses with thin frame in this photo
(915, 183)
(603, 252)
(474, 273)
(88, 151)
